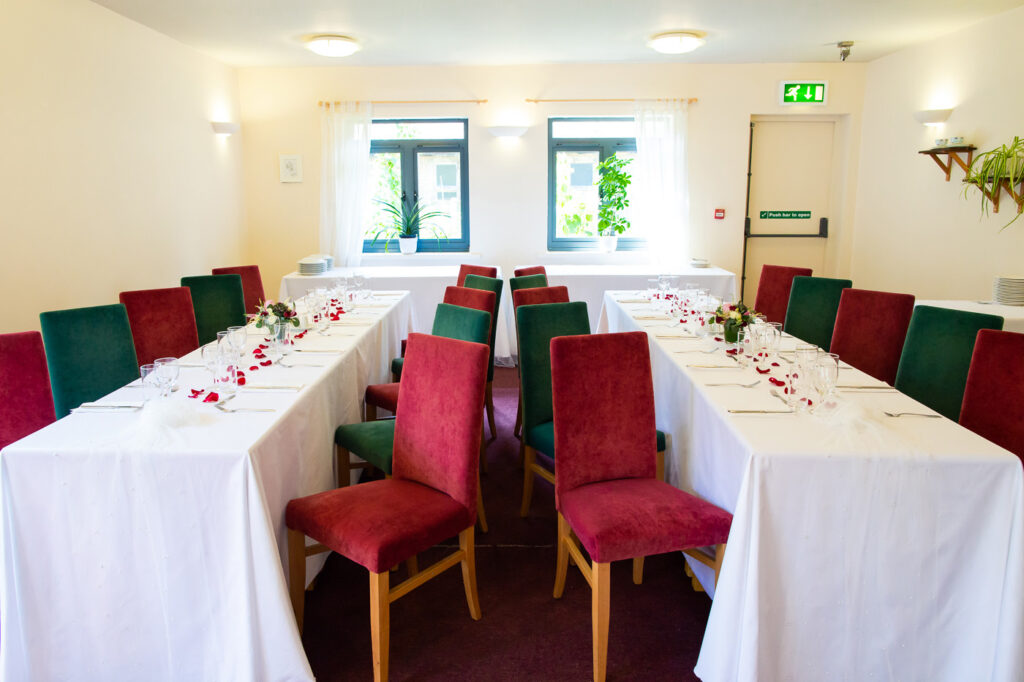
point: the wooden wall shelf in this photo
(952, 155)
(1016, 195)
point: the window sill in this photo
(421, 258)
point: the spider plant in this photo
(406, 220)
(990, 170)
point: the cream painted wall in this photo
(112, 177)
(508, 185)
(914, 232)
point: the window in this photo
(421, 160)
(575, 147)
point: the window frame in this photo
(408, 150)
(605, 146)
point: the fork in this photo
(911, 414)
(750, 385)
(220, 406)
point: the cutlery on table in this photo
(865, 387)
(107, 407)
(320, 350)
(775, 394)
(220, 405)
(912, 414)
(716, 366)
(736, 383)
(271, 387)
(761, 412)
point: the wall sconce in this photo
(932, 117)
(508, 131)
(224, 127)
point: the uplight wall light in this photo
(224, 127)
(932, 117)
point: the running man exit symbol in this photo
(803, 92)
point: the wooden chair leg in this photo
(481, 515)
(600, 601)
(371, 412)
(380, 626)
(529, 457)
(344, 466)
(297, 573)
(659, 463)
(562, 563)
(518, 430)
(483, 450)
(638, 570)
(412, 565)
(489, 404)
(466, 544)
(719, 558)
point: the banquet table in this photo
(151, 545)
(426, 284)
(1013, 315)
(862, 547)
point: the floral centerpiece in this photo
(271, 313)
(733, 317)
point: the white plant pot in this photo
(608, 243)
(408, 244)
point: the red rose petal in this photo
(732, 351)
(775, 364)
(241, 381)
(253, 368)
(761, 370)
(718, 338)
(776, 382)
(211, 398)
(266, 363)
(263, 345)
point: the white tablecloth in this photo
(140, 555)
(426, 283)
(1013, 315)
(887, 549)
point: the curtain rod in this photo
(691, 100)
(415, 101)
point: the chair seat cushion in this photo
(396, 367)
(373, 441)
(542, 439)
(380, 523)
(633, 517)
(384, 396)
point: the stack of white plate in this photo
(329, 258)
(312, 265)
(1008, 290)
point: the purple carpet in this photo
(525, 634)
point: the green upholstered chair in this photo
(89, 353)
(813, 304)
(489, 284)
(454, 322)
(937, 355)
(538, 324)
(527, 282)
(218, 303)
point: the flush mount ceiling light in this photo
(332, 45)
(676, 42)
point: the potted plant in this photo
(406, 221)
(996, 169)
(612, 184)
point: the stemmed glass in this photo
(165, 374)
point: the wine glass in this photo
(165, 373)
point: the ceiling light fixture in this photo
(332, 45)
(676, 42)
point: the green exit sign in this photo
(803, 92)
(785, 215)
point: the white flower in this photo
(735, 314)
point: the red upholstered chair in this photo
(532, 270)
(162, 322)
(24, 387)
(482, 270)
(534, 296)
(870, 329)
(430, 497)
(252, 284)
(605, 486)
(993, 404)
(773, 290)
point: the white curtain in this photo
(660, 196)
(344, 179)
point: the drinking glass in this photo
(209, 354)
(826, 374)
(225, 377)
(165, 373)
(280, 342)
(148, 381)
(237, 336)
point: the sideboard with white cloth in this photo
(142, 550)
(426, 284)
(1013, 315)
(861, 548)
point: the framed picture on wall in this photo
(291, 168)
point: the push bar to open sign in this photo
(774, 215)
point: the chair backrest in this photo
(218, 303)
(870, 329)
(532, 270)
(993, 405)
(465, 324)
(163, 322)
(527, 282)
(813, 303)
(438, 429)
(488, 284)
(252, 284)
(539, 295)
(478, 299)
(24, 387)
(89, 352)
(773, 290)
(538, 324)
(603, 398)
(937, 355)
(481, 270)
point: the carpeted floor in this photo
(525, 634)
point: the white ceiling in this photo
(487, 32)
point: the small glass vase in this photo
(731, 333)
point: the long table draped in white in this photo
(426, 284)
(151, 545)
(862, 547)
(1013, 315)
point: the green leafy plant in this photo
(612, 186)
(407, 220)
(992, 170)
